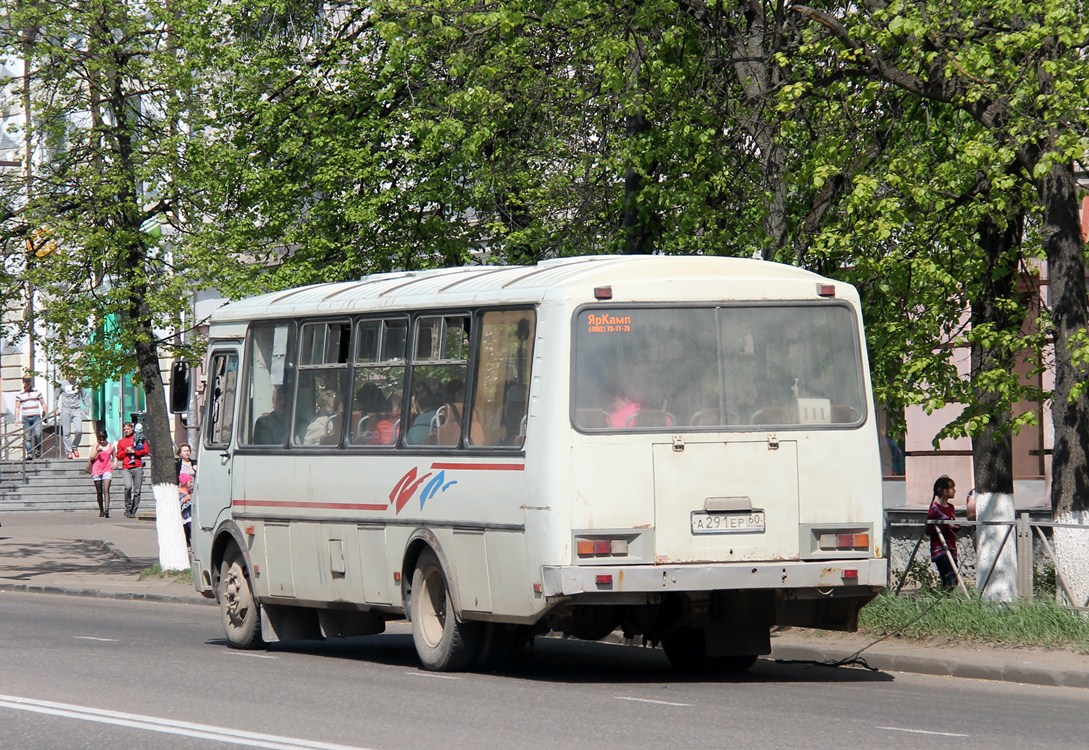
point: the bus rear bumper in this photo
(570, 580)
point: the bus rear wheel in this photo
(685, 649)
(237, 604)
(443, 643)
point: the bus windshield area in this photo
(653, 368)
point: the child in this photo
(944, 555)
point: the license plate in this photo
(747, 522)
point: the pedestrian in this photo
(71, 403)
(187, 475)
(943, 535)
(29, 409)
(99, 466)
(130, 453)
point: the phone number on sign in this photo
(610, 329)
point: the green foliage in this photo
(91, 232)
(921, 574)
(156, 571)
(954, 617)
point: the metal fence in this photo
(1031, 540)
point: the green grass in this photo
(156, 571)
(931, 614)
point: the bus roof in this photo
(632, 278)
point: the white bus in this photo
(679, 448)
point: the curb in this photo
(105, 546)
(940, 666)
(27, 588)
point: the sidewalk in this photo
(76, 552)
(80, 554)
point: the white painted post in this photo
(996, 562)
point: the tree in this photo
(107, 98)
(1019, 71)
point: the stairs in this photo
(57, 484)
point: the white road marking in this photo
(648, 700)
(166, 726)
(924, 731)
(434, 676)
(93, 638)
(252, 656)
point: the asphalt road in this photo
(90, 673)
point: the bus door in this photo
(726, 501)
(213, 486)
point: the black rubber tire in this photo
(442, 642)
(239, 608)
(685, 649)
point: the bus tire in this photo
(237, 604)
(684, 647)
(442, 642)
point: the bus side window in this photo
(270, 376)
(322, 383)
(221, 397)
(501, 392)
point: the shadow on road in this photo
(558, 660)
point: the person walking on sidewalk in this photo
(130, 454)
(99, 466)
(29, 410)
(187, 475)
(943, 536)
(71, 403)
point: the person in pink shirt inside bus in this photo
(623, 410)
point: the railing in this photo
(1023, 532)
(16, 438)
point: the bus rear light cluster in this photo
(585, 547)
(832, 540)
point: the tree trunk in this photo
(1070, 416)
(992, 447)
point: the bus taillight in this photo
(600, 547)
(844, 541)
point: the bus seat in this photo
(361, 434)
(592, 419)
(448, 431)
(705, 417)
(651, 418)
(772, 415)
(842, 413)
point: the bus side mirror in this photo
(179, 387)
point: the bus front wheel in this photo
(237, 604)
(443, 643)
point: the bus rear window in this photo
(641, 368)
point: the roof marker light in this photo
(603, 292)
(826, 290)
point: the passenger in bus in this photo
(424, 406)
(366, 411)
(388, 423)
(272, 428)
(324, 428)
(624, 406)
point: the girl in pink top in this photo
(99, 467)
